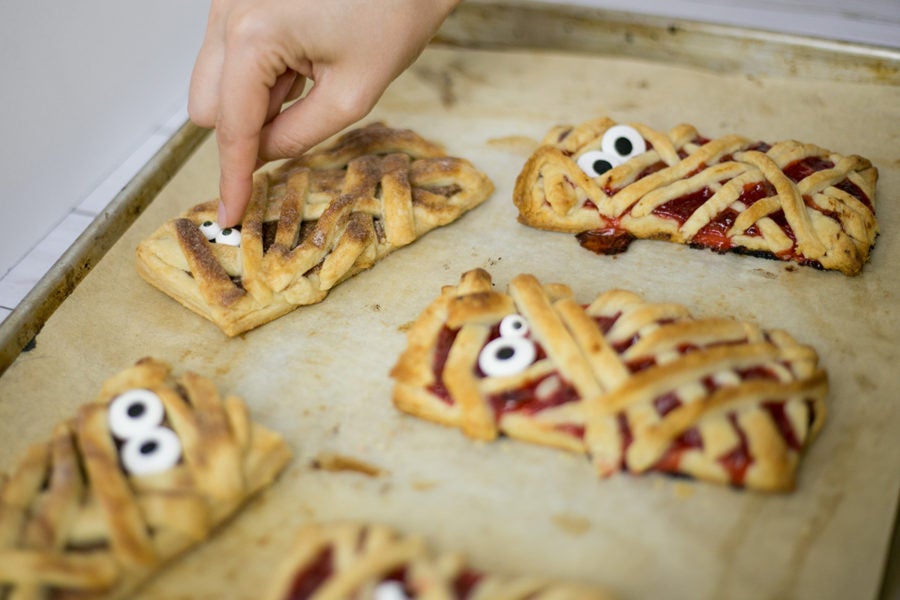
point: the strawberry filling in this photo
(307, 581)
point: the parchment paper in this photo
(320, 374)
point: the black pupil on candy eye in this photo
(624, 146)
(207, 223)
(135, 410)
(602, 166)
(149, 447)
(226, 231)
(505, 353)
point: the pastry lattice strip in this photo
(791, 200)
(74, 523)
(311, 224)
(634, 385)
(341, 561)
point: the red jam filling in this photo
(683, 207)
(851, 188)
(312, 577)
(525, 400)
(446, 337)
(739, 459)
(801, 169)
(608, 241)
(465, 583)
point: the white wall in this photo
(84, 83)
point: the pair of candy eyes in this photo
(228, 236)
(512, 352)
(618, 144)
(135, 418)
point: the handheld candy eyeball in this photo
(210, 229)
(507, 355)
(229, 236)
(514, 326)
(152, 451)
(134, 412)
(623, 141)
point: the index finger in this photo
(243, 105)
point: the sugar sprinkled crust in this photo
(790, 200)
(77, 520)
(344, 560)
(312, 223)
(634, 385)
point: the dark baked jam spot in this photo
(639, 364)
(445, 339)
(307, 581)
(269, 228)
(606, 323)
(670, 462)
(465, 583)
(657, 166)
(683, 207)
(854, 190)
(785, 428)
(738, 460)
(803, 168)
(760, 147)
(605, 241)
(828, 213)
(667, 403)
(576, 431)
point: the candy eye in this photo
(623, 141)
(506, 356)
(596, 163)
(229, 236)
(390, 590)
(135, 412)
(514, 326)
(210, 229)
(151, 452)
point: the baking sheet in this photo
(320, 374)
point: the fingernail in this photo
(222, 215)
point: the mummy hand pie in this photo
(611, 183)
(634, 385)
(346, 561)
(142, 474)
(312, 223)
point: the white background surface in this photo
(91, 89)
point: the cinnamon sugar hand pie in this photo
(310, 224)
(634, 385)
(346, 561)
(142, 474)
(610, 183)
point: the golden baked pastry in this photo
(348, 561)
(145, 472)
(312, 223)
(611, 183)
(636, 386)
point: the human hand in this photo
(258, 54)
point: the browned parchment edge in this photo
(510, 24)
(27, 319)
(504, 24)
